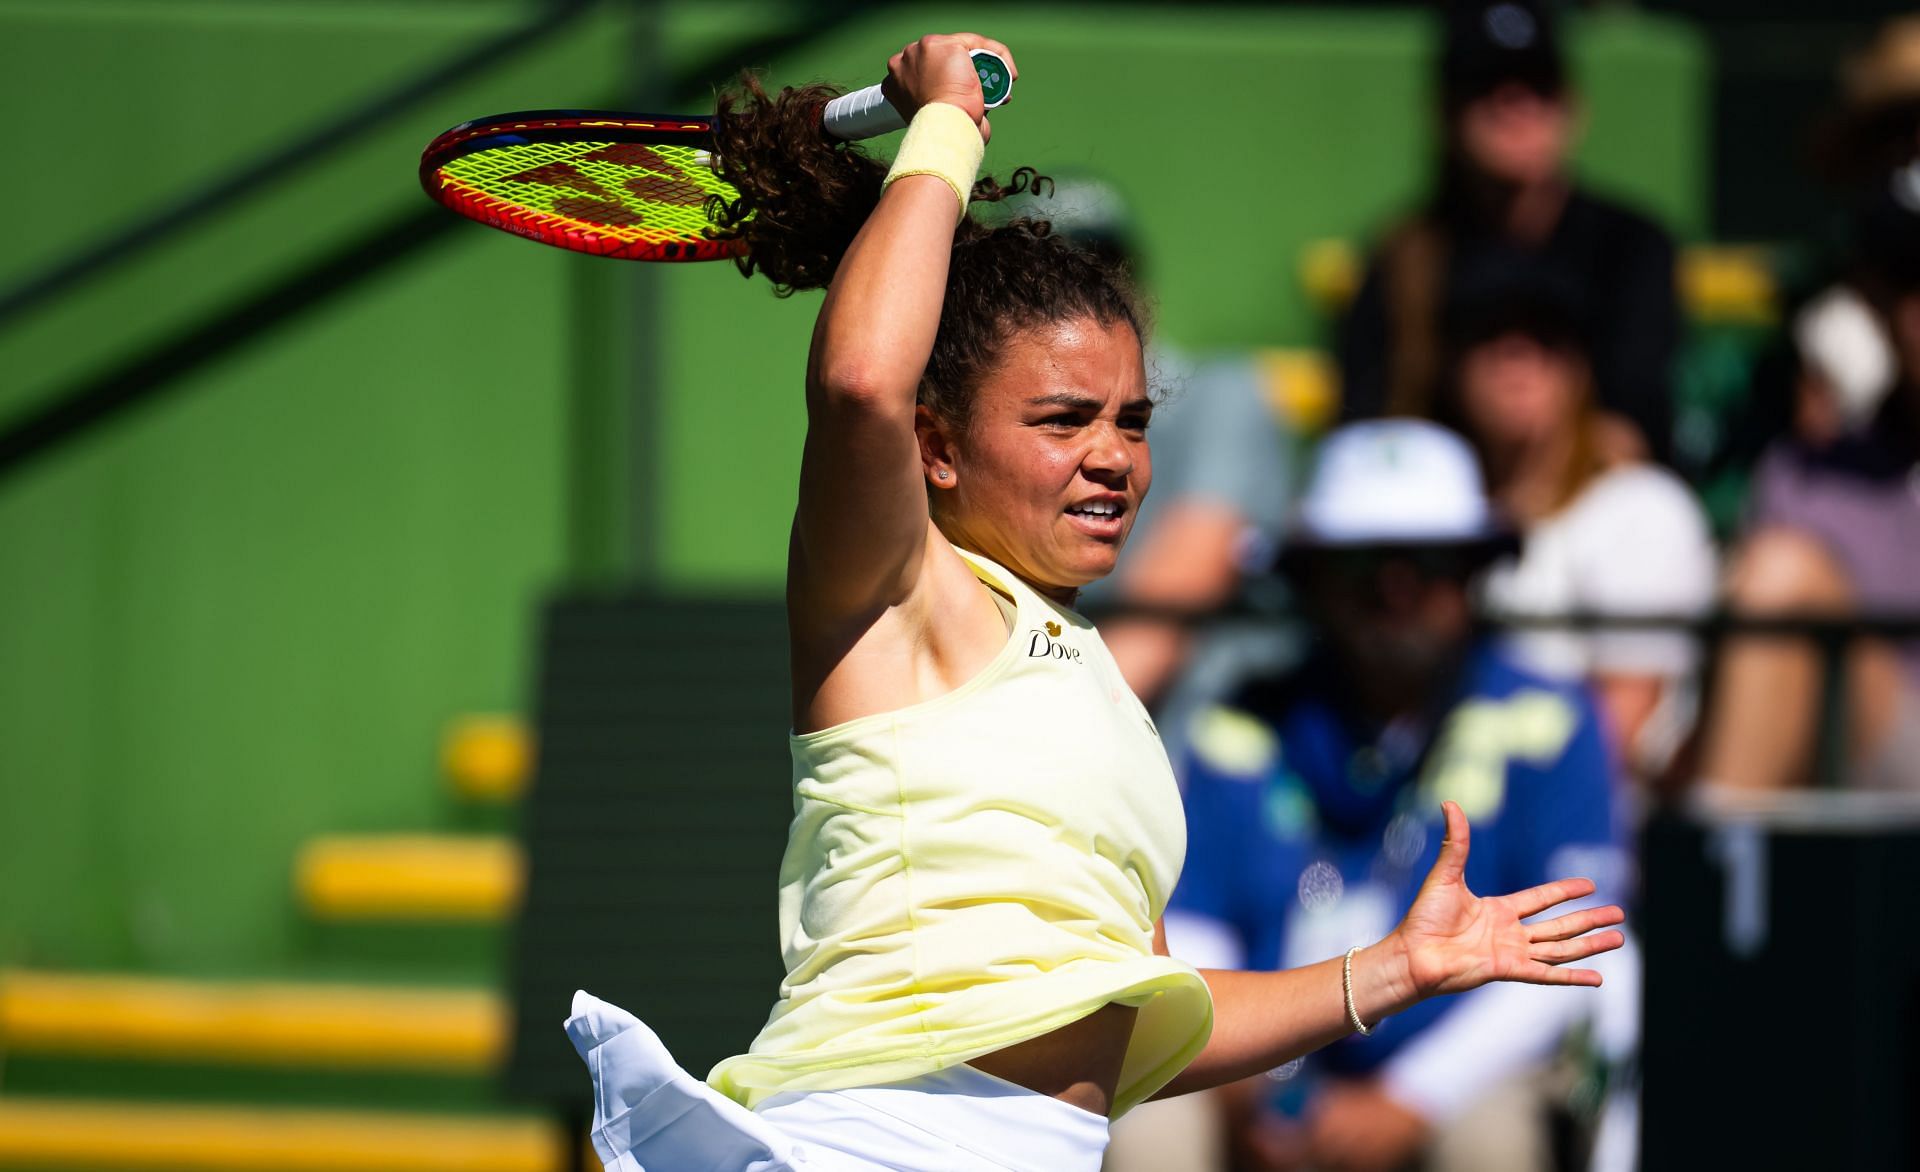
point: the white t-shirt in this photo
(1635, 542)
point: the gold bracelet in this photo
(943, 141)
(1346, 983)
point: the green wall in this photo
(240, 617)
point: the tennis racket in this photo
(631, 186)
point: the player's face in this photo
(1049, 473)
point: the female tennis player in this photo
(986, 827)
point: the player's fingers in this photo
(917, 53)
(1535, 900)
(1574, 923)
(1549, 975)
(976, 41)
(1452, 863)
(1579, 948)
(1005, 54)
(1538, 973)
(986, 130)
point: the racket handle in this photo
(866, 113)
(861, 114)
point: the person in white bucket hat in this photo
(1393, 527)
(1311, 804)
(1397, 482)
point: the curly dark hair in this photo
(803, 198)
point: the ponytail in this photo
(803, 195)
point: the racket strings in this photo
(628, 193)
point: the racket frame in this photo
(864, 113)
(567, 126)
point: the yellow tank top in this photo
(978, 870)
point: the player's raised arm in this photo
(862, 524)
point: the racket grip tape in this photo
(861, 114)
(866, 113)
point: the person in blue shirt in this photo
(1313, 806)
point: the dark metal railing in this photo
(1832, 635)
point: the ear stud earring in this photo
(942, 474)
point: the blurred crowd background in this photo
(1540, 429)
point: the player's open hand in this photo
(1454, 940)
(937, 68)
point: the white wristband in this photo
(942, 141)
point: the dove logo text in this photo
(1043, 646)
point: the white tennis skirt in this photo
(649, 1115)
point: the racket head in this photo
(606, 183)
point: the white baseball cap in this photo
(1396, 482)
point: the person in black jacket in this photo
(1503, 195)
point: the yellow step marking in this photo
(245, 1023)
(410, 877)
(66, 1133)
(488, 758)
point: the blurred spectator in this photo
(1603, 534)
(1313, 805)
(1846, 362)
(1221, 482)
(1846, 365)
(1824, 376)
(1877, 126)
(1503, 190)
(1835, 530)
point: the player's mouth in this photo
(1102, 516)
